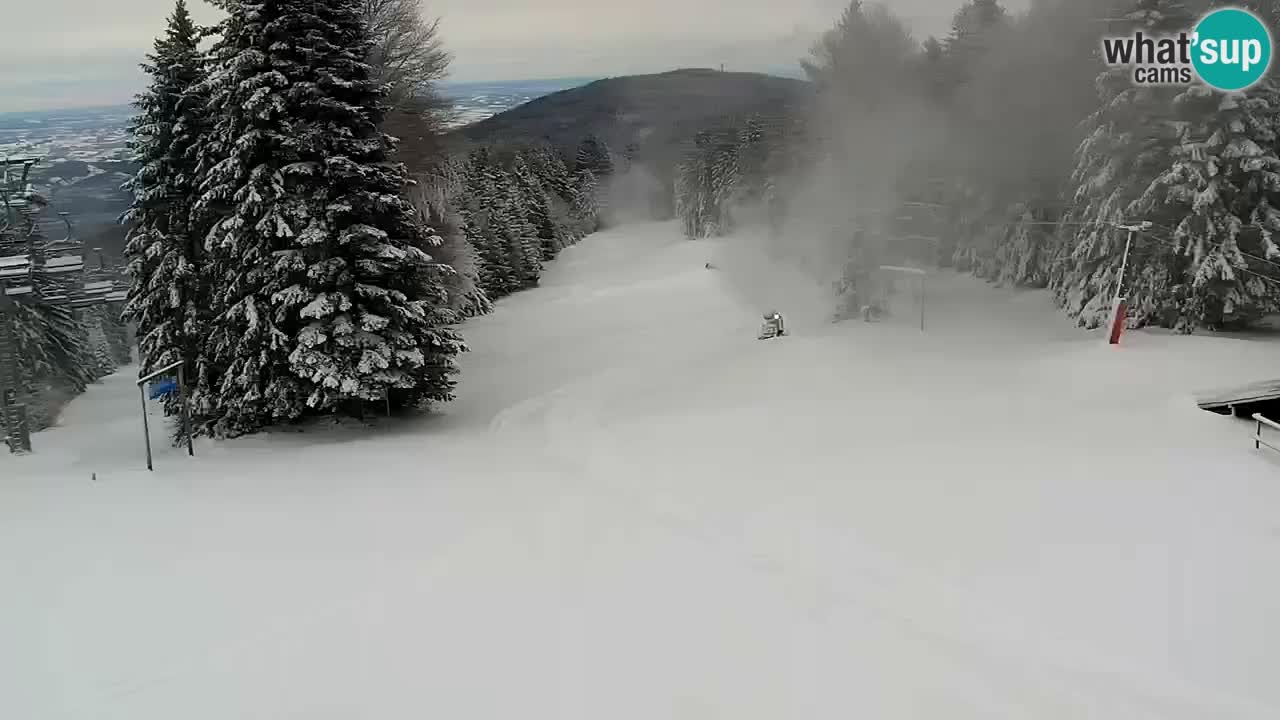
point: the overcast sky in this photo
(74, 53)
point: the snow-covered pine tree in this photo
(53, 346)
(99, 345)
(1126, 147)
(753, 158)
(487, 268)
(585, 206)
(437, 198)
(169, 296)
(946, 71)
(718, 177)
(108, 317)
(629, 154)
(517, 236)
(554, 176)
(934, 73)
(330, 297)
(726, 178)
(55, 360)
(971, 31)
(538, 204)
(551, 171)
(1223, 190)
(697, 190)
(1019, 139)
(481, 225)
(496, 226)
(593, 155)
(685, 193)
(1019, 256)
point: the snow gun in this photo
(772, 327)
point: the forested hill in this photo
(654, 113)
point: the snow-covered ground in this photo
(637, 510)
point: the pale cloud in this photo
(66, 53)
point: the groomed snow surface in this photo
(637, 510)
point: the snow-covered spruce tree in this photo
(467, 298)
(54, 355)
(629, 154)
(689, 188)
(695, 192)
(99, 345)
(551, 171)
(970, 38)
(726, 179)
(585, 207)
(685, 194)
(329, 298)
(438, 198)
(593, 155)
(753, 158)
(555, 178)
(536, 200)
(1223, 190)
(169, 295)
(1126, 148)
(510, 224)
(1020, 257)
(55, 360)
(710, 177)
(979, 230)
(106, 318)
(483, 225)
(1019, 138)
(487, 268)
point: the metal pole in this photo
(146, 429)
(186, 410)
(1124, 263)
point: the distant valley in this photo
(84, 156)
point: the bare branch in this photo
(408, 53)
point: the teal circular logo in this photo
(1231, 49)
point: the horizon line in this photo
(585, 79)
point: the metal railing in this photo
(1258, 442)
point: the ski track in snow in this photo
(990, 654)
(600, 525)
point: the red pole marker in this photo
(1117, 321)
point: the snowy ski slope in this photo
(637, 510)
